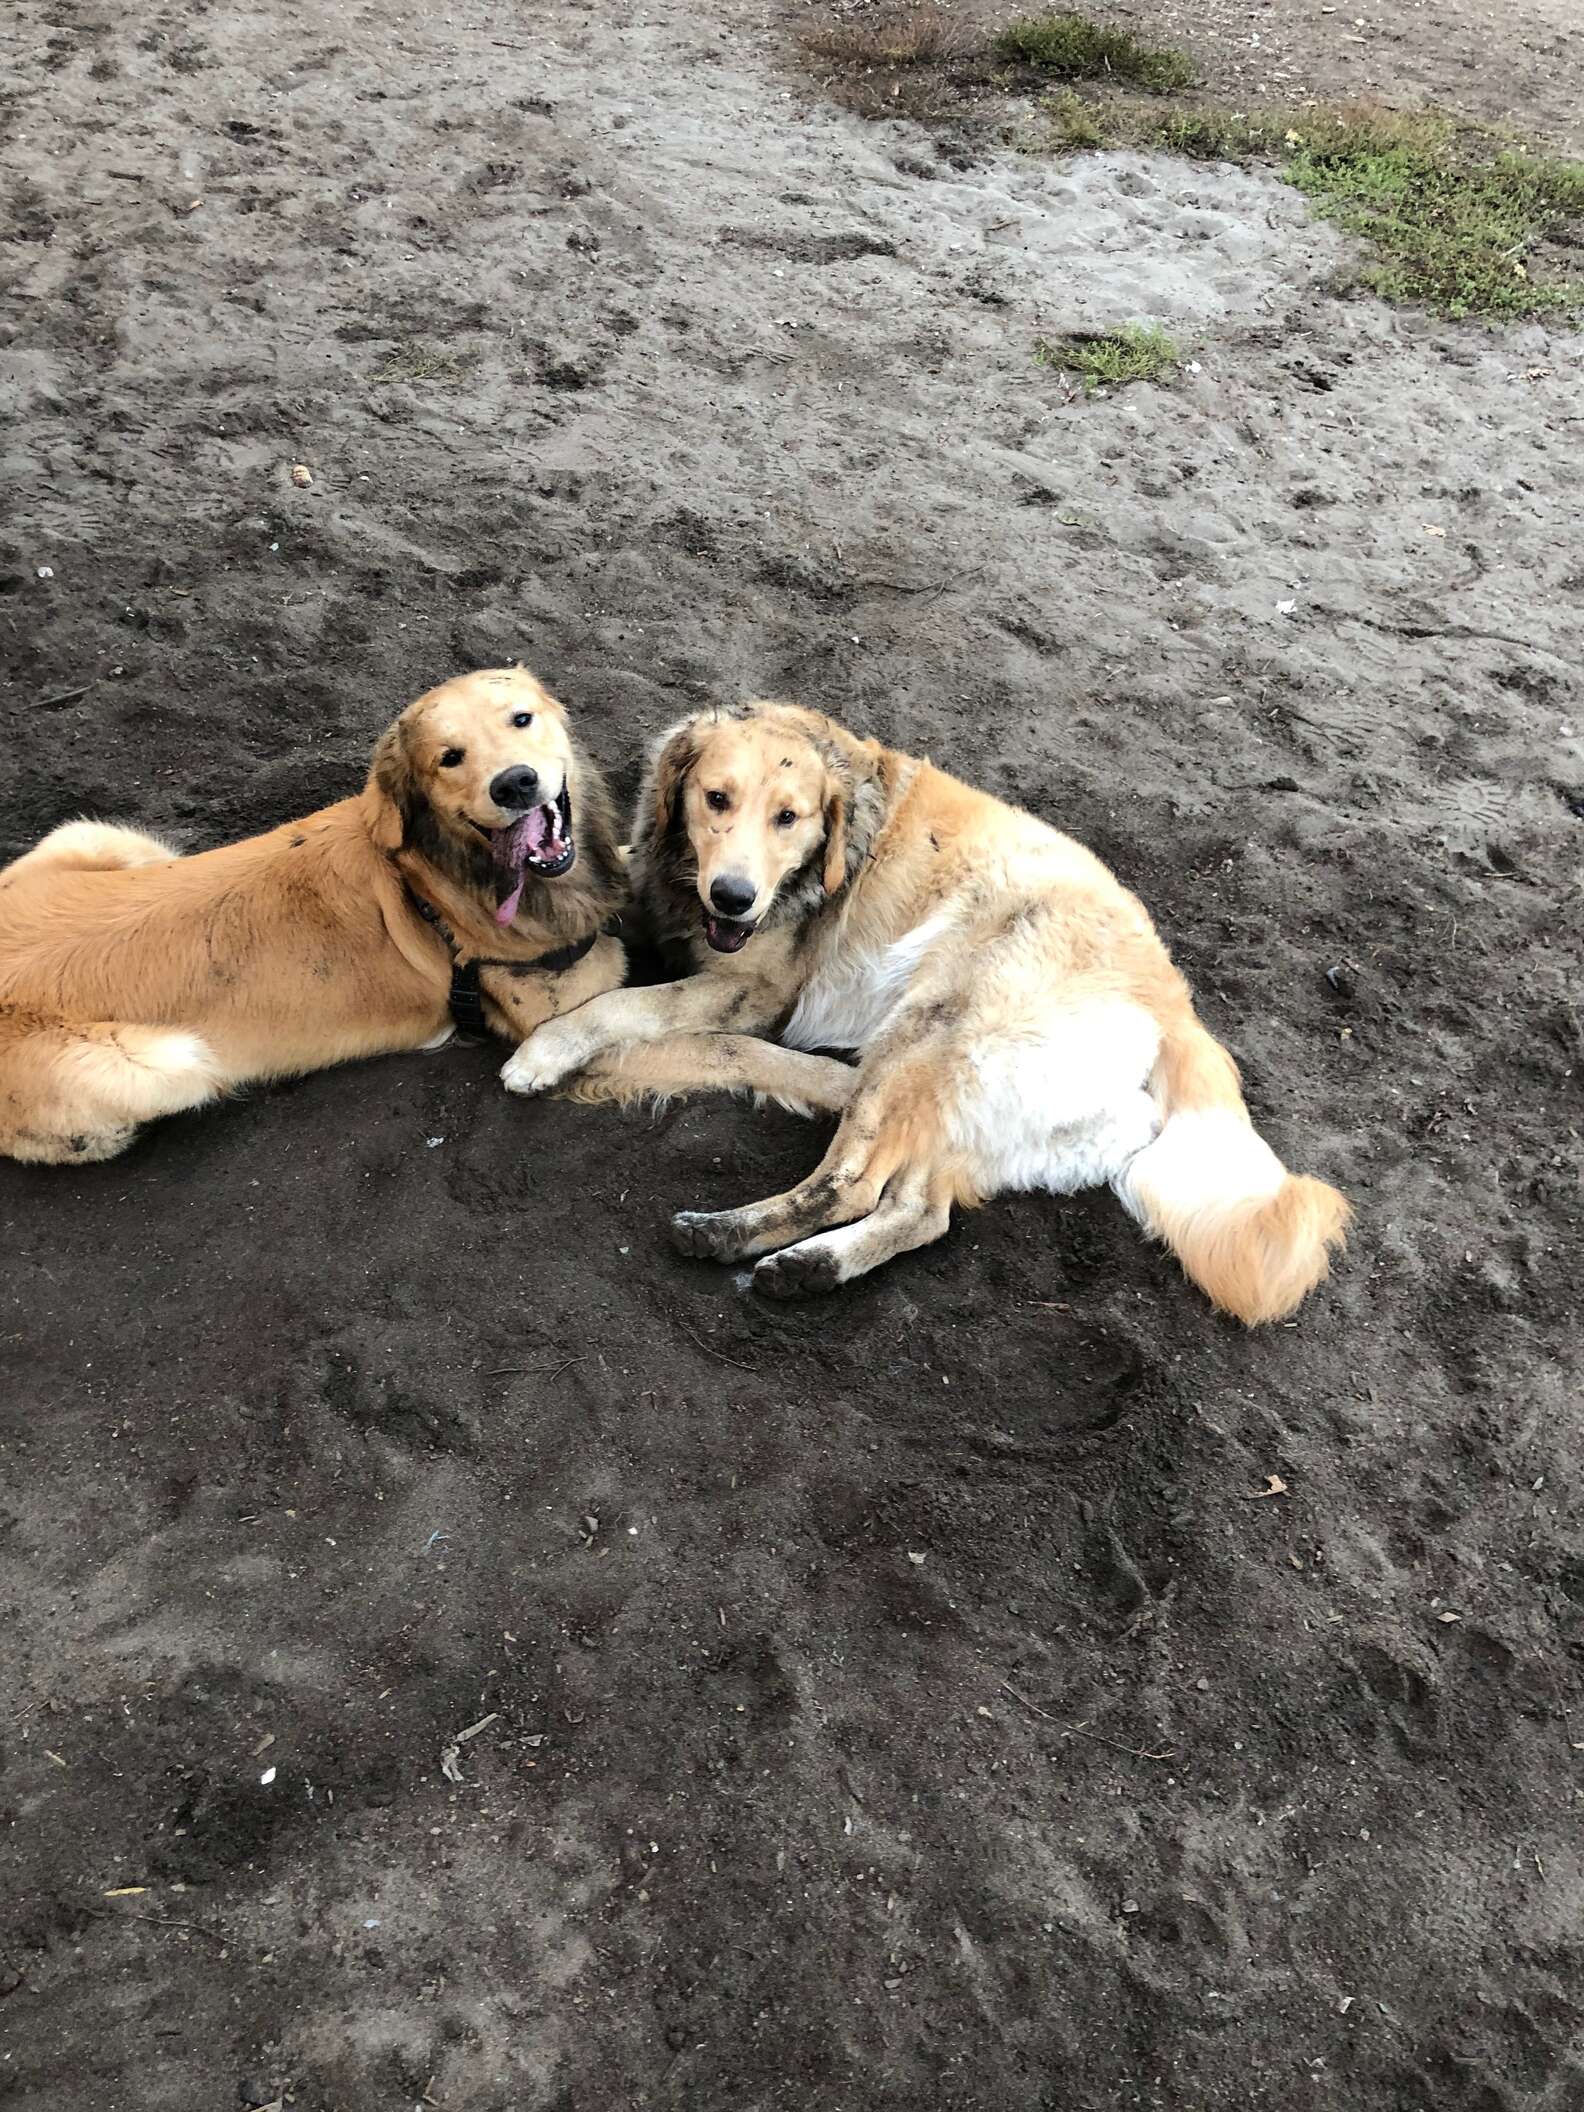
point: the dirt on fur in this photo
(1005, 1685)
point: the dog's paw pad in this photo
(797, 1272)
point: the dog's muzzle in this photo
(727, 934)
(539, 841)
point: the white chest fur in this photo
(850, 999)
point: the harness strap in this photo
(466, 998)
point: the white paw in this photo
(542, 1061)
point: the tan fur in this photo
(696, 1063)
(1259, 1263)
(782, 801)
(135, 982)
(1260, 1260)
(89, 846)
(1011, 939)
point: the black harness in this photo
(466, 996)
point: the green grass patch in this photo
(1106, 359)
(1454, 234)
(1072, 48)
(1217, 135)
(1075, 125)
(1461, 220)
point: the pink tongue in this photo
(533, 836)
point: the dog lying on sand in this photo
(1019, 1022)
(470, 882)
(135, 982)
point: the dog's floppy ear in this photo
(835, 872)
(392, 793)
(672, 765)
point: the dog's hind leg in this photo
(71, 1093)
(891, 1125)
(731, 1063)
(94, 846)
(913, 1211)
(834, 1194)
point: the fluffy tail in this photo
(1254, 1237)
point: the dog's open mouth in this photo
(541, 842)
(726, 934)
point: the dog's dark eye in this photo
(451, 758)
(522, 718)
(717, 802)
(785, 818)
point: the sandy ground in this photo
(904, 1701)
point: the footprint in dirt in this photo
(392, 1389)
(1175, 1941)
(1113, 1575)
(1404, 1691)
(216, 1827)
(811, 249)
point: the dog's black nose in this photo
(517, 787)
(733, 898)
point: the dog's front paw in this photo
(548, 1056)
(798, 1272)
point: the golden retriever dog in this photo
(1018, 1021)
(471, 879)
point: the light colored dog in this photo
(135, 982)
(1020, 1023)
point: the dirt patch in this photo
(342, 1419)
(1519, 65)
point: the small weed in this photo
(1215, 135)
(1072, 48)
(1075, 124)
(415, 362)
(923, 34)
(1106, 359)
(912, 58)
